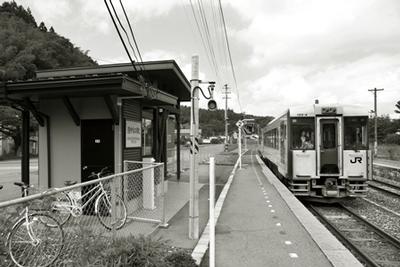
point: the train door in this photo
(329, 146)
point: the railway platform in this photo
(263, 224)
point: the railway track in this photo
(385, 187)
(370, 244)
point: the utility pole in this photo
(376, 120)
(194, 150)
(226, 115)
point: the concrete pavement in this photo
(257, 229)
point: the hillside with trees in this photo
(26, 47)
(212, 123)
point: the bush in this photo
(392, 139)
(180, 259)
(216, 141)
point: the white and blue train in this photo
(320, 151)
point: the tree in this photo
(42, 27)
(24, 49)
(397, 110)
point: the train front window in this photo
(303, 133)
(355, 133)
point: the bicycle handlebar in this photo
(99, 174)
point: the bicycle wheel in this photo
(61, 207)
(34, 243)
(104, 212)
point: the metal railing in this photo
(100, 210)
(386, 171)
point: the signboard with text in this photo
(133, 136)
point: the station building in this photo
(92, 117)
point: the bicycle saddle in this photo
(68, 183)
(22, 185)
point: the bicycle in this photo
(72, 204)
(35, 239)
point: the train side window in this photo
(355, 133)
(303, 133)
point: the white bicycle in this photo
(72, 203)
(36, 239)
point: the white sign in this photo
(133, 134)
(239, 124)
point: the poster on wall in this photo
(133, 136)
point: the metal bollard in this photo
(212, 212)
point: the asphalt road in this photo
(10, 172)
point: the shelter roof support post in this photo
(178, 144)
(25, 147)
(155, 135)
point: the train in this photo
(321, 152)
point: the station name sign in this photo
(133, 134)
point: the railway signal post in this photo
(239, 124)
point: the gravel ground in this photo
(388, 201)
(377, 216)
(362, 236)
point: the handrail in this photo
(53, 191)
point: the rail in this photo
(385, 242)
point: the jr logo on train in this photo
(319, 151)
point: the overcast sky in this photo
(285, 52)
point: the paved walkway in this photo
(256, 228)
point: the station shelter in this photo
(99, 116)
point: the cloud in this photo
(319, 32)
(288, 86)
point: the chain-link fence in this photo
(68, 226)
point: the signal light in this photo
(212, 105)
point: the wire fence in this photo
(65, 226)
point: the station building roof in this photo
(168, 82)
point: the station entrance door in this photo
(97, 151)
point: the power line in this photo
(133, 35)
(230, 55)
(203, 19)
(200, 32)
(120, 36)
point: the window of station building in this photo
(355, 133)
(147, 132)
(303, 133)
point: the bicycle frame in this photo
(97, 191)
